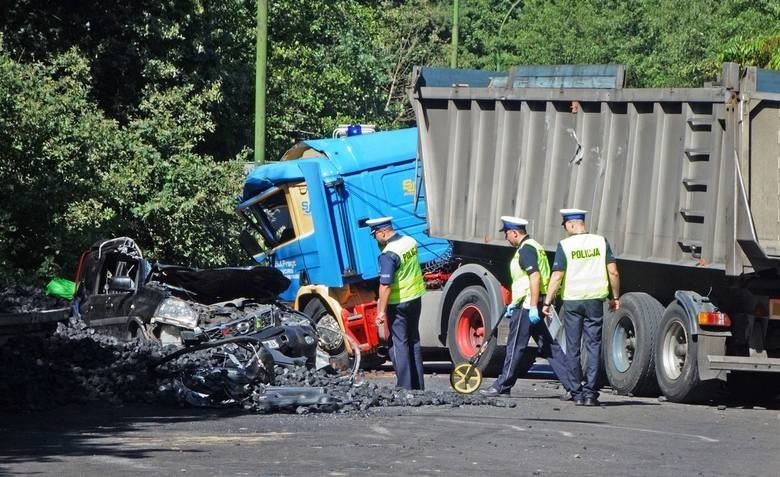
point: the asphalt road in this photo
(535, 434)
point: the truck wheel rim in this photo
(675, 350)
(329, 333)
(470, 331)
(623, 344)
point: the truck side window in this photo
(277, 211)
(283, 224)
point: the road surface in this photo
(533, 434)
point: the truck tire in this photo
(676, 357)
(325, 323)
(629, 339)
(469, 323)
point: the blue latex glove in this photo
(533, 315)
(509, 310)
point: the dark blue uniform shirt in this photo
(388, 264)
(529, 261)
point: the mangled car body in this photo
(122, 294)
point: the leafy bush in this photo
(71, 176)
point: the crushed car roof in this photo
(222, 284)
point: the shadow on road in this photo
(93, 430)
(628, 403)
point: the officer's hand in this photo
(546, 309)
(533, 315)
(614, 304)
(510, 308)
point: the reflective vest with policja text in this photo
(521, 282)
(408, 282)
(586, 267)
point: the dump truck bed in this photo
(689, 177)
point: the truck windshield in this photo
(271, 217)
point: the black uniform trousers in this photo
(584, 316)
(404, 347)
(520, 330)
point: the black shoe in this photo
(579, 402)
(492, 392)
(567, 396)
(591, 401)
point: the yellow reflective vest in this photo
(521, 282)
(408, 282)
(586, 267)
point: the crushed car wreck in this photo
(230, 330)
(123, 295)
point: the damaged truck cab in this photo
(307, 217)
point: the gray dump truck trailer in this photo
(684, 182)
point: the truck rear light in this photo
(714, 318)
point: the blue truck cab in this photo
(309, 209)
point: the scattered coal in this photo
(24, 299)
(75, 364)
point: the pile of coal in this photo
(75, 364)
(24, 299)
(347, 396)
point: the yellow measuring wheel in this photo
(465, 378)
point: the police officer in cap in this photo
(400, 287)
(585, 270)
(530, 272)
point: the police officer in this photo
(400, 287)
(530, 272)
(585, 270)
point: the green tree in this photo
(685, 38)
(133, 45)
(410, 34)
(71, 176)
(662, 42)
(135, 117)
(54, 144)
(762, 51)
(344, 61)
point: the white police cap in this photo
(379, 223)
(512, 223)
(572, 214)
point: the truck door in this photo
(295, 222)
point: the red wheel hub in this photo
(470, 331)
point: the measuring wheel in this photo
(465, 378)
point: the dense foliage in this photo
(135, 118)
